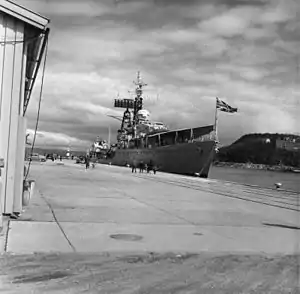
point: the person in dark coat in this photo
(87, 162)
(134, 166)
(142, 167)
(150, 166)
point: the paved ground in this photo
(75, 210)
(97, 219)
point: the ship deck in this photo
(110, 210)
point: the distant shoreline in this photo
(277, 168)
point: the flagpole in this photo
(216, 121)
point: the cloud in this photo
(188, 52)
(228, 24)
(244, 72)
(267, 120)
(45, 139)
(83, 8)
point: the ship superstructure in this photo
(136, 123)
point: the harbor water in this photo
(261, 178)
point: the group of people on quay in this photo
(143, 167)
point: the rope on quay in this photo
(39, 109)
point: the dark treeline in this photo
(253, 148)
(59, 152)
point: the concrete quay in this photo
(109, 209)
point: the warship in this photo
(188, 151)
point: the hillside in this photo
(253, 148)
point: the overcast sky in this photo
(188, 51)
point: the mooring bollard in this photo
(1, 164)
(28, 192)
(32, 188)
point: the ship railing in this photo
(181, 136)
(207, 137)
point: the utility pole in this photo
(296, 84)
(109, 135)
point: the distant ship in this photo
(188, 151)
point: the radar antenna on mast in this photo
(139, 82)
(130, 118)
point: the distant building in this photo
(287, 143)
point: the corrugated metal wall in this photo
(12, 63)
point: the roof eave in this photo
(24, 14)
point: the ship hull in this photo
(184, 158)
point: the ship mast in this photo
(138, 101)
(135, 105)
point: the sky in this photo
(188, 51)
